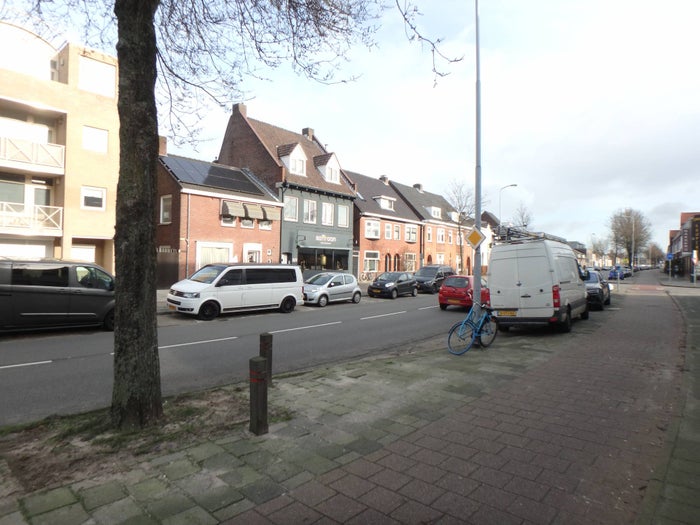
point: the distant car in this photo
(429, 278)
(457, 290)
(393, 284)
(616, 274)
(330, 287)
(597, 289)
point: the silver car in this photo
(329, 287)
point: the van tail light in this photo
(556, 297)
(486, 294)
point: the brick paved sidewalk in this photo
(529, 431)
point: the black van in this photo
(51, 293)
(429, 278)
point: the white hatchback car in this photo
(330, 287)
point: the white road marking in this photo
(383, 315)
(304, 327)
(26, 364)
(198, 342)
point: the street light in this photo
(499, 201)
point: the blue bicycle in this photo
(463, 334)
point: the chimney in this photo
(162, 145)
(384, 179)
(241, 108)
(419, 187)
(308, 133)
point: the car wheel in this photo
(443, 306)
(585, 313)
(394, 293)
(435, 288)
(208, 311)
(565, 324)
(414, 292)
(607, 301)
(287, 305)
(356, 297)
(322, 301)
(108, 321)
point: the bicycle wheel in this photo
(461, 338)
(488, 331)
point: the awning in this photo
(254, 211)
(272, 213)
(232, 209)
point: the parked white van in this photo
(238, 287)
(536, 281)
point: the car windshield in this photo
(320, 279)
(426, 272)
(389, 276)
(592, 277)
(207, 274)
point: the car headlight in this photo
(190, 295)
(389, 285)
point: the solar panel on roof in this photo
(205, 174)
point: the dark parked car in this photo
(597, 289)
(430, 278)
(393, 284)
(457, 290)
(616, 274)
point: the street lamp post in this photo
(499, 201)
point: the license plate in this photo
(171, 306)
(506, 313)
(453, 301)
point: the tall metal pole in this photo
(477, 183)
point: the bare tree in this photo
(188, 52)
(461, 199)
(523, 216)
(630, 231)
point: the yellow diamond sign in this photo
(475, 237)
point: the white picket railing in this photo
(35, 218)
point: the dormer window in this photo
(385, 203)
(332, 174)
(297, 166)
(435, 212)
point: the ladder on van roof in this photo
(518, 234)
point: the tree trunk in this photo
(136, 395)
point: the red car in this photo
(456, 290)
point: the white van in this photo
(226, 288)
(536, 282)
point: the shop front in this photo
(318, 251)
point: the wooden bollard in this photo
(258, 395)
(266, 352)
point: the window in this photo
(410, 259)
(397, 232)
(213, 252)
(310, 211)
(441, 235)
(449, 237)
(411, 233)
(435, 212)
(429, 234)
(327, 213)
(385, 203)
(371, 262)
(291, 208)
(332, 174)
(387, 231)
(264, 225)
(440, 258)
(95, 139)
(12, 191)
(92, 198)
(229, 221)
(40, 275)
(297, 166)
(247, 223)
(372, 230)
(166, 204)
(343, 215)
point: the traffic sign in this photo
(475, 238)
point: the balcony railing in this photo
(32, 156)
(44, 220)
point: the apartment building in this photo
(59, 149)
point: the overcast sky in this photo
(589, 106)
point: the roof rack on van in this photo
(505, 234)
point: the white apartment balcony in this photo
(25, 155)
(24, 220)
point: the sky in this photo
(589, 107)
